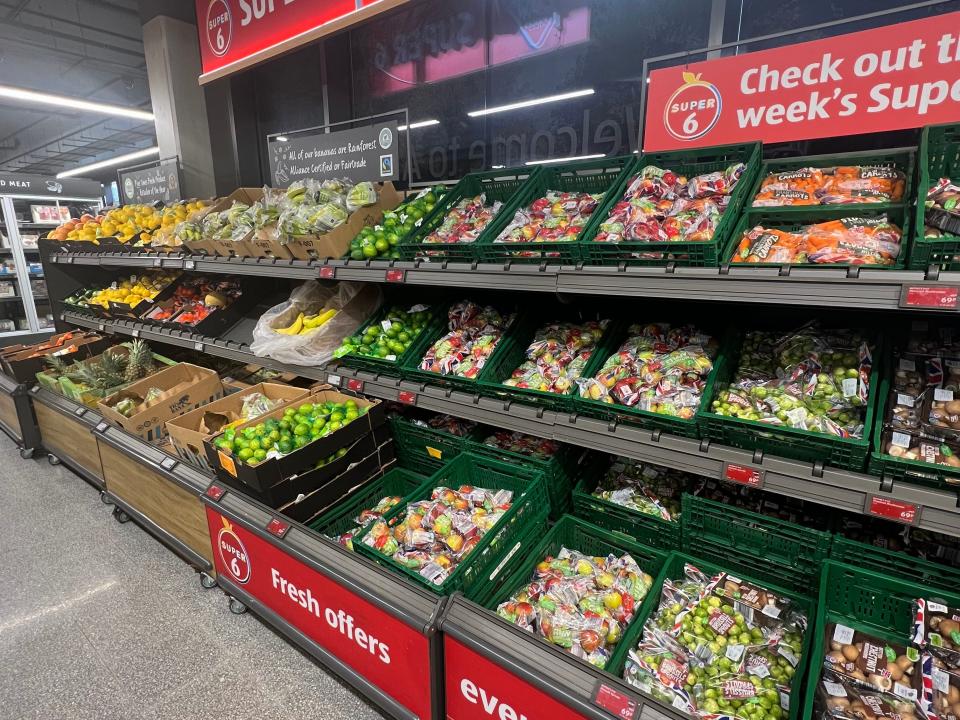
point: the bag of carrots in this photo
(841, 185)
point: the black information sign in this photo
(365, 153)
(159, 180)
(41, 186)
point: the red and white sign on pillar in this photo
(385, 651)
(893, 77)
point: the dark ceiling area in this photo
(87, 49)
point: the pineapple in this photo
(139, 361)
(57, 365)
(113, 365)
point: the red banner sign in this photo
(478, 689)
(894, 77)
(387, 652)
(231, 30)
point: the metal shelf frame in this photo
(936, 510)
(865, 288)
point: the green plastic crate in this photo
(382, 365)
(500, 367)
(903, 159)
(424, 449)
(870, 557)
(558, 470)
(647, 529)
(591, 176)
(497, 185)
(789, 222)
(410, 368)
(340, 518)
(868, 601)
(511, 535)
(576, 534)
(783, 551)
(939, 158)
(909, 471)
(674, 569)
(693, 254)
(614, 338)
(846, 453)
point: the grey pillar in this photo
(173, 66)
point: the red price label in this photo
(408, 397)
(896, 510)
(355, 385)
(930, 297)
(615, 701)
(277, 527)
(396, 275)
(328, 272)
(743, 475)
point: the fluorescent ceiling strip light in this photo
(420, 124)
(531, 103)
(281, 138)
(120, 159)
(29, 96)
(566, 159)
(497, 167)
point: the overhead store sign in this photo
(364, 153)
(40, 186)
(238, 33)
(891, 78)
(147, 184)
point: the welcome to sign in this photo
(891, 78)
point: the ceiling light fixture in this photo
(531, 103)
(29, 96)
(566, 159)
(497, 167)
(120, 159)
(420, 124)
(281, 138)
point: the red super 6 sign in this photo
(894, 77)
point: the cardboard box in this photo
(266, 243)
(273, 471)
(306, 508)
(231, 248)
(335, 243)
(312, 478)
(23, 362)
(184, 387)
(185, 431)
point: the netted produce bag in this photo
(465, 221)
(811, 379)
(647, 488)
(718, 645)
(556, 357)
(437, 534)
(474, 334)
(581, 603)
(283, 334)
(658, 368)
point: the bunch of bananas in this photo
(305, 324)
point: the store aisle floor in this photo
(99, 620)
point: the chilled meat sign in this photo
(894, 77)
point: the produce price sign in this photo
(360, 154)
(479, 689)
(890, 78)
(385, 651)
(896, 510)
(929, 297)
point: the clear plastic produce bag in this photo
(352, 302)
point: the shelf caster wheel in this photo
(237, 607)
(26, 453)
(104, 498)
(120, 515)
(207, 582)
(53, 459)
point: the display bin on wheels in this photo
(65, 427)
(373, 629)
(16, 415)
(159, 491)
(870, 602)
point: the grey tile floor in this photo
(99, 620)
